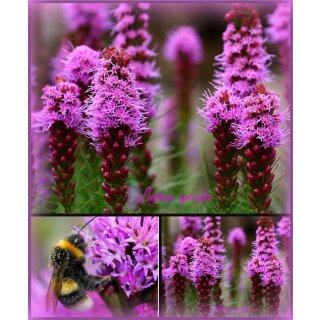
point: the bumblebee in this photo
(70, 280)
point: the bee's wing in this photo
(55, 285)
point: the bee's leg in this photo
(93, 283)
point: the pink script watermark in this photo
(149, 197)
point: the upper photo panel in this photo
(160, 108)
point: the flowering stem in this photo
(203, 291)
(260, 176)
(273, 298)
(141, 163)
(257, 294)
(235, 276)
(114, 171)
(226, 161)
(62, 145)
(179, 290)
(217, 292)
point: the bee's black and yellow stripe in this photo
(72, 296)
(67, 245)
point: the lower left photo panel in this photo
(94, 267)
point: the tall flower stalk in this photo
(279, 32)
(115, 121)
(212, 232)
(61, 116)
(132, 22)
(220, 112)
(86, 23)
(265, 269)
(259, 132)
(204, 274)
(184, 49)
(244, 60)
(273, 279)
(237, 240)
(178, 271)
(190, 226)
(284, 231)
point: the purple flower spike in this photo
(260, 131)
(255, 268)
(80, 65)
(131, 28)
(284, 227)
(279, 21)
(284, 231)
(115, 122)
(262, 120)
(221, 111)
(280, 33)
(237, 240)
(62, 117)
(145, 310)
(273, 279)
(184, 49)
(212, 232)
(274, 272)
(126, 248)
(266, 244)
(190, 226)
(220, 108)
(204, 273)
(184, 41)
(86, 22)
(178, 271)
(265, 270)
(178, 264)
(244, 34)
(61, 103)
(187, 247)
(237, 237)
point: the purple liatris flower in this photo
(184, 41)
(131, 29)
(145, 310)
(115, 121)
(204, 273)
(255, 268)
(237, 240)
(132, 22)
(284, 231)
(79, 66)
(237, 237)
(184, 49)
(279, 32)
(260, 131)
(212, 232)
(86, 23)
(244, 61)
(266, 244)
(220, 112)
(190, 226)
(126, 248)
(273, 279)
(187, 247)
(178, 271)
(62, 117)
(259, 268)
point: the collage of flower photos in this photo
(160, 159)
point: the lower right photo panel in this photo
(226, 266)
